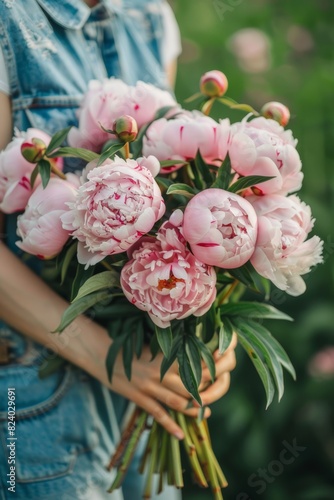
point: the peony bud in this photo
(276, 111)
(33, 151)
(125, 128)
(213, 84)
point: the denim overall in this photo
(66, 424)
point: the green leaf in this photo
(127, 353)
(186, 373)
(56, 141)
(119, 310)
(165, 339)
(255, 355)
(33, 176)
(113, 352)
(183, 189)
(154, 347)
(207, 358)
(79, 307)
(139, 339)
(195, 97)
(44, 169)
(231, 103)
(110, 152)
(82, 153)
(208, 321)
(224, 175)
(246, 182)
(71, 251)
(250, 332)
(50, 365)
(165, 182)
(194, 356)
(252, 310)
(106, 279)
(225, 335)
(171, 163)
(203, 168)
(268, 338)
(167, 362)
(80, 277)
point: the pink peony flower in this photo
(107, 101)
(282, 255)
(221, 228)
(263, 147)
(15, 171)
(322, 363)
(165, 279)
(40, 227)
(181, 138)
(119, 202)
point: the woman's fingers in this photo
(159, 413)
(224, 363)
(218, 389)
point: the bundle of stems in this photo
(162, 455)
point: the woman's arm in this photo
(32, 308)
(5, 137)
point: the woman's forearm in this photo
(32, 308)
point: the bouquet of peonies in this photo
(173, 218)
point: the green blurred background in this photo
(296, 66)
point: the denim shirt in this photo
(63, 44)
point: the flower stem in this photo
(57, 172)
(152, 462)
(227, 294)
(131, 443)
(176, 457)
(212, 473)
(191, 451)
(163, 459)
(207, 106)
(127, 150)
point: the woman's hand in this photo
(146, 390)
(225, 363)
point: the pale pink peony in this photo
(322, 363)
(165, 279)
(252, 49)
(263, 147)
(15, 172)
(221, 228)
(40, 226)
(181, 138)
(119, 202)
(282, 255)
(107, 101)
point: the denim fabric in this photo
(67, 423)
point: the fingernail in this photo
(179, 435)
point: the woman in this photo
(67, 423)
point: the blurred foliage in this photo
(301, 74)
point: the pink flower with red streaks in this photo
(15, 171)
(221, 228)
(107, 101)
(263, 147)
(282, 253)
(165, 279)
(181, 137)
(119, 202)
